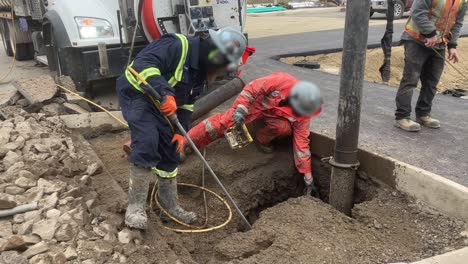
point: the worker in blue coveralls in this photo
(177, 66)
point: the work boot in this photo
(138, 184)
(428, 121)
(168, 198)
(264, 148)
(407, 125)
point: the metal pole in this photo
(345, 162)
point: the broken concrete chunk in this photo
(50, 201)
(12, 146)
(7, 93)
(125, 236)
(58, 257)
(41, 259)
(74, 109)
(88, 261)
(32, 239)
(52, 109)
(12, 172)
(100, 231)
(3, 151)
(64, 233)
(14, 243)
(51, 186)
(26, 183)
(41, 148)
(14, 190)
(94, 169)
(38, 89)
(53, 214)
(70, 253)
(12, 257)
(10, 159)
(18, 218)
(45, 229)
(39, 248)
(26, 228)
(104, 248)
(27, 174)
(7, 201)
(34, 194)
(6, 230)
(4, 136)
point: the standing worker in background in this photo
(177, 67)
(434, 25)
(285, 105)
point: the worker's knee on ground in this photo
(279, 128)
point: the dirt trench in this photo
(287, 228)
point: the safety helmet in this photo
(230, 42)
(305, 98)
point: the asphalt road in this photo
(442, 151)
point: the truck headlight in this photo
(90, 28)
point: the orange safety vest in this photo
(444, 15)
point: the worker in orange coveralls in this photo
(286, 106)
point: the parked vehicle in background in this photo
(401, 6)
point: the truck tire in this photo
(53, 56)
(6, 39)
(399, 9)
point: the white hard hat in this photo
(305, 98)
(230, 42)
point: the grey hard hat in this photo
(305, 98)
(230, 42)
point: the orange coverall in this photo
(264, 98)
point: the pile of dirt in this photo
(288, 228)
(450, 78)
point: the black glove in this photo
(239, 116)
(311, 189)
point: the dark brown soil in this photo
(386, 226)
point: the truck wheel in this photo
(53, 56)
(6, 39)
(399, 9)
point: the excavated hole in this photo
(293, 187)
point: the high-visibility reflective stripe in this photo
(210, 130)
(188, 107)
(302, 154)
(265, 102)
(180, 67)
(248, 95)
(243, 107)
(178, 73)
(145, 74)
(291, 119)
(165, 174)
(132, 81)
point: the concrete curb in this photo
(92, 120)
(455, 257)
(434, 190)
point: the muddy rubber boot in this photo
(168, 198)
(407, 125)
(428, 121)
(138, 184)
(268, 149)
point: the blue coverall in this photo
(171, 65)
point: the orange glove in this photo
(169, 106)
(179, 140)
